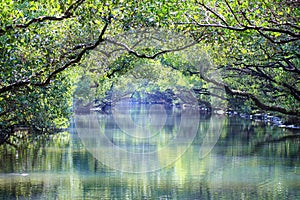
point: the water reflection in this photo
(126, 145)
(60, 167)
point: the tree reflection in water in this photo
(60, 167)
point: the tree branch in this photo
(66, 14)
(232, 12)
(131, 51)
(260, 29)
(55, 72)
(252, 97)
(77, 59)
(214, 13)
(242, 94)
(259, 72)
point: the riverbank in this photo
(264, 118)
(267, 118)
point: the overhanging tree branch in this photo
(256, 100)
(77, 59)
(262, 30)
(65, 15)
(257, 71)
(131, 51)
(79, 56)
(247, 95)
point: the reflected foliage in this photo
(59, 166)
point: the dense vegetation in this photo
(49, 46)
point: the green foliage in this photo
(129, 77)
(42, 108)
(253, 45)
(256, 45)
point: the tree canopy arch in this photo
(254, 43)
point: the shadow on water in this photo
(249, 161)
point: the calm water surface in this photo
(242, 165)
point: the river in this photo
(153, 152)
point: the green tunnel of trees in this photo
(51, 50)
